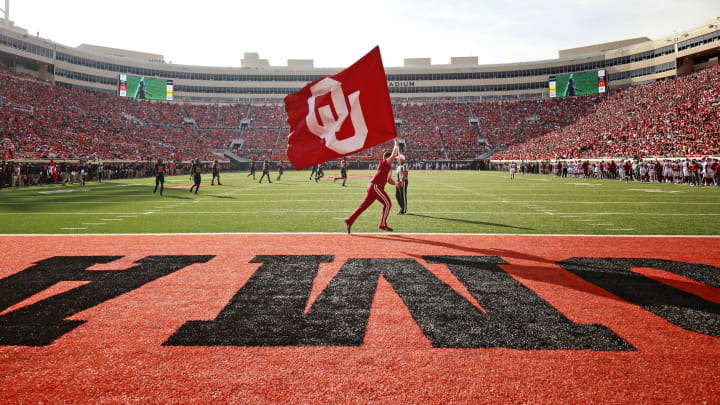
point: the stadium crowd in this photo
(673, 117)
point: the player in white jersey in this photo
(513, 169)
(666, 171)
(685, 165)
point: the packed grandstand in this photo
(675, 115)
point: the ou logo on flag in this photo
(330, 126)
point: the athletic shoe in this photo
(400, 213)
(386, 228)
(347, 225)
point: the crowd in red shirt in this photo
(673, 117)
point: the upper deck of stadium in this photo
(628, 62)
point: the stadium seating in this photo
(674, 117)
(205, 116)
(669, 118)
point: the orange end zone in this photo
(118, 350)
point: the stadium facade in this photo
(628, 62)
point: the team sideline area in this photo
(438, 202)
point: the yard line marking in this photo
(127, 216)
(33, 235)
(654, 190)
(56, 192)
(601, 224)
(569, 216)
(72, 228)
(621, 229)
(110, 219)
(628, 202)
(93, 223)
(280, 212)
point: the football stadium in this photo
(560, 242)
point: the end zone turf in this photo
(338, 318)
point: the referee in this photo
(402, 184)
(266, 171)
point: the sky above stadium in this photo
(336, 33)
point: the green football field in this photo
(439, 202)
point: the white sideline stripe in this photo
(355, 200)
(10, 235)
(280, 212)
(621, 229)
(93, 223)
(72, 228)
(127, 216)
(110, 219)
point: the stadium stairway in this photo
(440, 133)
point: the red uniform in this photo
(376, 191)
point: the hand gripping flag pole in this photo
(341, 114)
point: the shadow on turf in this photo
(471, 222)
(483, 252)
(219, 196)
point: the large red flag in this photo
(341, 114)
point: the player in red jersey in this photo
(376, 191)
(159, 176)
